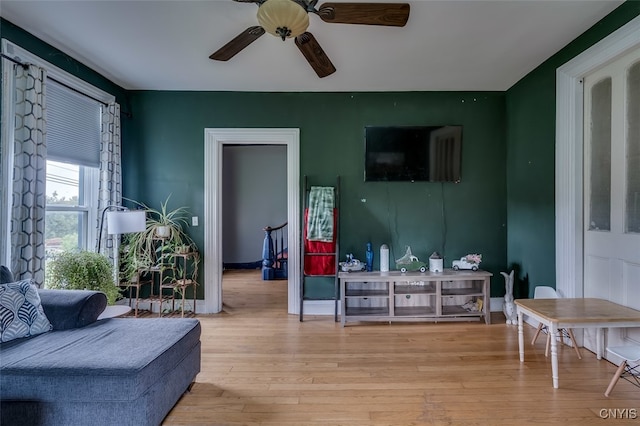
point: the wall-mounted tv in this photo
(411, 154)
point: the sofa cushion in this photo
(5, 275)
(68, 309)
(21, 313)
(114, 359)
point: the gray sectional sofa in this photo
(118, 371)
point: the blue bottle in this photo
(369, 257)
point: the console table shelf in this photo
(415, 296)
(367, 293)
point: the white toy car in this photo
(352, 264)
(470, 261)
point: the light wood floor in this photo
(261, 366)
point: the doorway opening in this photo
(214, 141)
(254, 197)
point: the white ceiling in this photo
(446, 45)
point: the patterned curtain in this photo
(29, 175)
(110, 185)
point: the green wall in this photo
(530, 133)
(168, 136)
(508, 157)
(162, 138)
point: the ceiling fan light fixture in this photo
(283, 18)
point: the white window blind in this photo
(73, 126)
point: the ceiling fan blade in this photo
(230, 49)
(316, 57)
(387, 14)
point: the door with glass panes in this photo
(612, 189)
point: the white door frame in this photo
(569, 153)
(214, 139)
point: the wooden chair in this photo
(629, 354)
(545, 292)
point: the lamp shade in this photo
(283, 18)
(125, 222)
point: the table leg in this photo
(599, 342)
(553, 330)
(487, 301)
(343, 305)
(521, 335)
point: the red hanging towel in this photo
(320, 265)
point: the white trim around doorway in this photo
(569, 153)
(214, 140)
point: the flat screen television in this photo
(413, 154)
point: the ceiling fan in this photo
(290, 19)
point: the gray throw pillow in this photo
(21, 313)
(72, 308)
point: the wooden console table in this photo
(415, 296)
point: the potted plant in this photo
(83, 270)
(165, 223)
(162, 237)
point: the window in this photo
(600, 197)
(73, 161)
(71, 206)
(73, 135)
(632, 211)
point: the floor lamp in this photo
(121, 221)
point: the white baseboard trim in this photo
(155, 306)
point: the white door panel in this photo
(612, 189)
(631, 275)
(598, 270)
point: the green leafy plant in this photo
(150, 248)
(172, 219)
(132, 258)
(82, 270)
